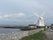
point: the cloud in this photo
(22, 10)
(6, 16)
(1, 17)
(12, 15)
(19, 15)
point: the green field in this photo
(37, 36)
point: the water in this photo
(6, 30)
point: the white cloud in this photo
(20, 15)
(6, 16)
(0, 17)
(13, 15)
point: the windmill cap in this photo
(41, 17)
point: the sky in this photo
(21, 12)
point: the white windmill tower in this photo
(40, 22)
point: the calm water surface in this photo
(6, 30)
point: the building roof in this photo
(32, 24)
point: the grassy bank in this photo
(37, 36)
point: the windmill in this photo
(40, 22)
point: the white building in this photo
(40, 22)
(32, 26)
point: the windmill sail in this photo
(40, 22)
(36, 14)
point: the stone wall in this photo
(17, 35)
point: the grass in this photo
(37, 36)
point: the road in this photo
(49, 34)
